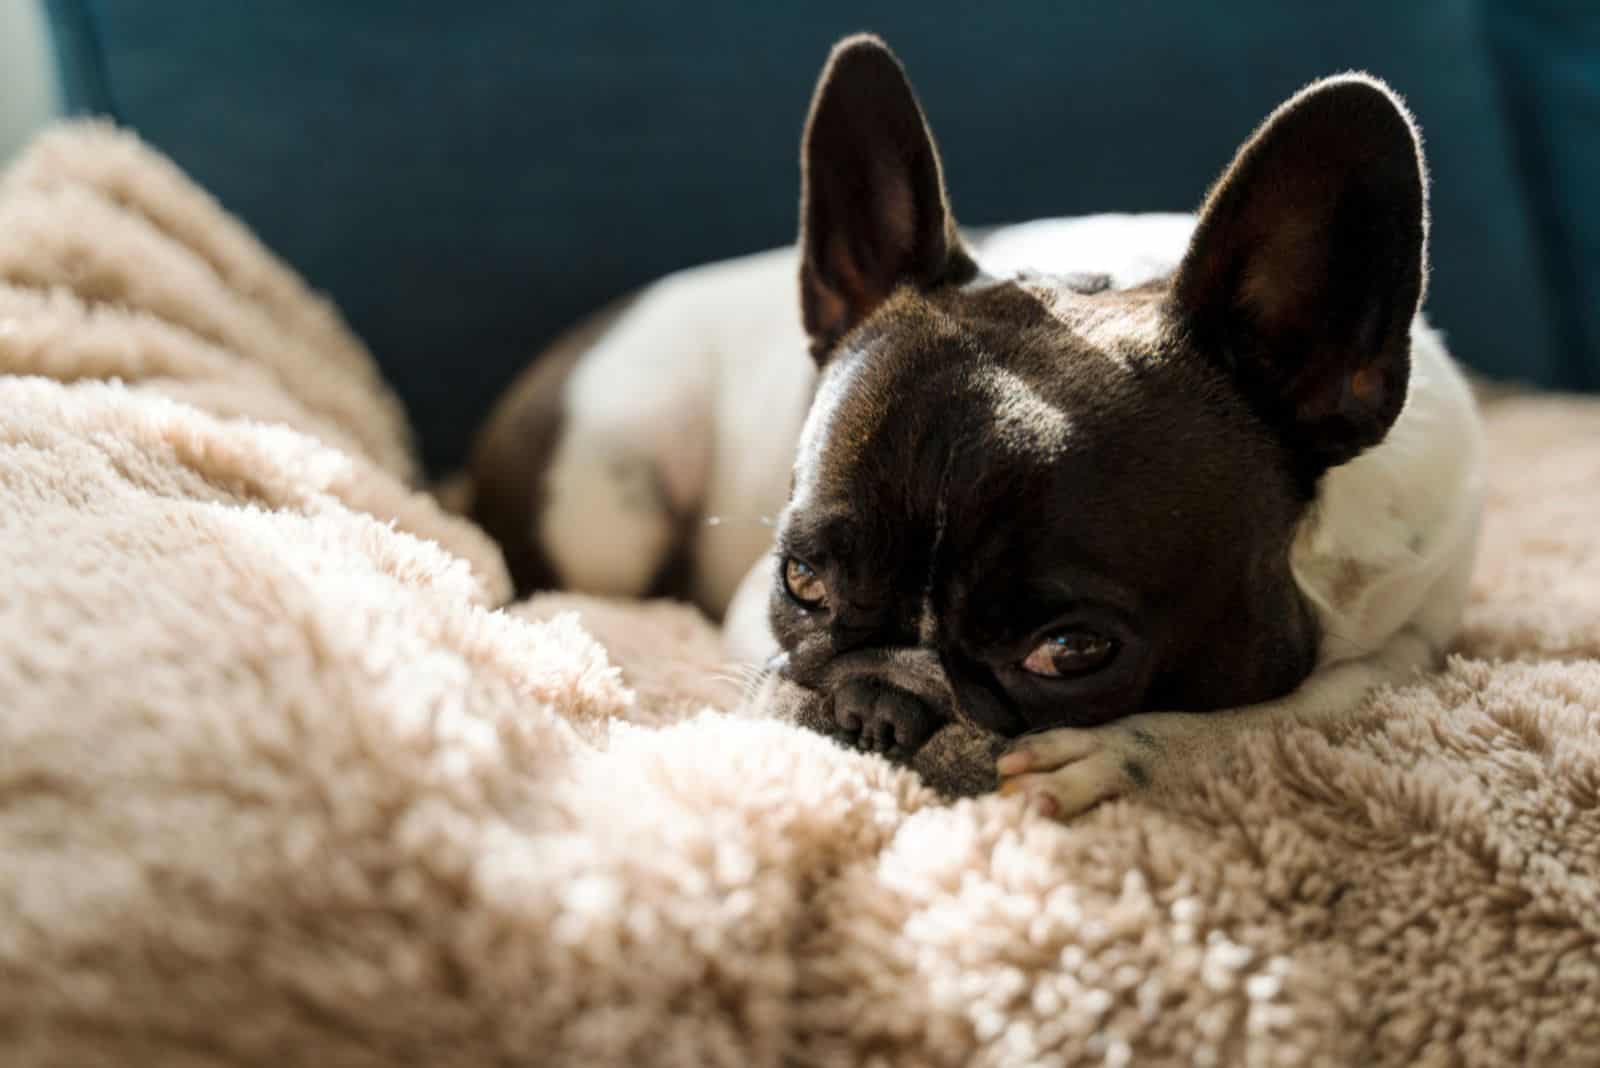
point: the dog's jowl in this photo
(1058, 507)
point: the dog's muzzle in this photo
(897, 702)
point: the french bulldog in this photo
(1061, 506)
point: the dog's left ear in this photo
(873, 212)
(1307, 267)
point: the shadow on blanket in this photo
(278, 784)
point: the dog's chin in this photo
(957, 761)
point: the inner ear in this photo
(874, 214)
(1307, 265)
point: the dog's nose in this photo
(877, 716)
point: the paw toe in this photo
(1048, 749)
(1069, 791)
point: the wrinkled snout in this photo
(896, 702)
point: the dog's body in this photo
(999, 408)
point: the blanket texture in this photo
(281, 782)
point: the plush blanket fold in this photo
(280, 783)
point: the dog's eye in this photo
(1068, 653)
(805, 586)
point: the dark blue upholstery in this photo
(468, 178)
(1549, 58)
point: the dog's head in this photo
(1021, 502)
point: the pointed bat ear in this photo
(873, 212)
(1308, 263)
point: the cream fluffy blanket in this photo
(280, 785)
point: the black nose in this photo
(873, 715)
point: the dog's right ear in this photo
(873, 212)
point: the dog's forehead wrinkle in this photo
(1022, 417)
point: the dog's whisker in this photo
(748, 677)
(720, 520)
(742, 676)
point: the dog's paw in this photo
(1068, 770)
